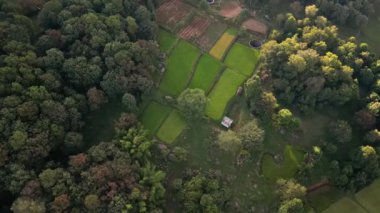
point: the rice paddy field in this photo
(179, 68)
(242, 59)
(224, 42)
(223, 91)
(171, 128)
(205, 73)
(153, 116)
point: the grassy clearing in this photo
(345, 205)
(369, 197)
(165, 40)
(242, 58)
(171, 128)
(223, 43)
(286, 169)
(205, 73)
(179, 67)
(223, 91)
(153, 116)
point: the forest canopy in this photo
(59, 60)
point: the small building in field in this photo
(227, 122)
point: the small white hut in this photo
(227, 122)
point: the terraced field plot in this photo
(179, 68)
(213, 32)
(165, 40)
(345, 205)
(242, 59)
(287, 169)
(171, 128)
(206, 71)
(195, 28)
(170, 13)
(154, 115)
(223, 43)
(223, 91)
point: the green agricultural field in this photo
(205, 73)
(223, 91)
(287, 169)
(165, 40)
(171, 128)
(179, 68)
(345, 205)
(153, 116)
(369, 197)
(242, 58)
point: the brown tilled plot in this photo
(195, 29)
(211, 35)
(255, 26)
(230, 10)
(172, 12)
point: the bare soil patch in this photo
(213, 32)
(170, 13)
(196, 28)
(255, 26)
(230, 9)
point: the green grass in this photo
(179, 67)
(153, 116)
(369, 197)
(345, 205)
(165, 40)
(287, 169)
(242, 59)
(171, 128)
(223, 91)
(207, 70)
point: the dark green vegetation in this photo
(165, 40)
(286, 169)
(59, 60)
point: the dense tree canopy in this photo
(58, 60)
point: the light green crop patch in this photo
(222, 93)
(154, 115)
(171, 128)
(207, 70)
(179, 68)
(242, 58)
